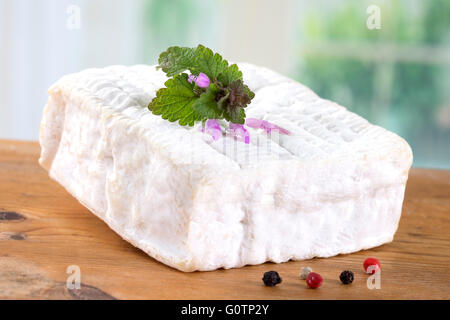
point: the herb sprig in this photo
(214, 90)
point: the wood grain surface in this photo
(43, 231)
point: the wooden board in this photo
(43, 230)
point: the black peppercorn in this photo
(346, 277)
(271, 278)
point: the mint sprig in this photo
(175, 101)
(185, 102)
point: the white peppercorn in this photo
(304, 273)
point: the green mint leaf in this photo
(209, 63)
(206, 105)
(249, 92)
(175, 60)
(222, 98)
(175, 102)
(236, 115)
(240, 95)
(230, 74)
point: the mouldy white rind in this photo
(335, 185)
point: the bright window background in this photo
(397, 77)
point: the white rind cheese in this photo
(334, 186)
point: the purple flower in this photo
(239, 131)
(201, 80)
(212, 127)
(191, 78)
(266, 125)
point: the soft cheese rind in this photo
(335, 185)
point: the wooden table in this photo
(43, 231)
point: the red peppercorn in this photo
(371, 262)
(314, 280)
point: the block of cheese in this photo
(335, 185)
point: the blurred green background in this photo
(397, 76)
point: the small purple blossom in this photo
(201, 80)
(239, 131)
(212, 127)
(266, 125)
(191, 78)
